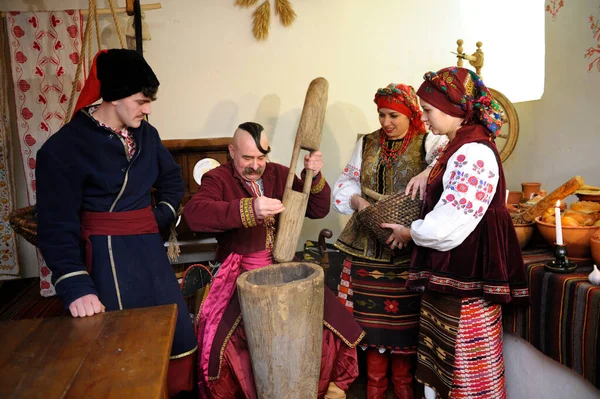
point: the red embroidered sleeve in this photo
(470, 186)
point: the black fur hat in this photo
(122, 73)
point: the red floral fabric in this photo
(44, 48)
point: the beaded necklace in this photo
(389, 156)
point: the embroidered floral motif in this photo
(449, 198)
(478, 167)
(391, 306)
(479, 213)
(435, 153)
(463, 183)
(465, 205)
(462, 188)
(461, 161)
(351, 172)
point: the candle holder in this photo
(561, 263)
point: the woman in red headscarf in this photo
(467, 257)
(374, 273)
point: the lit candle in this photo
(506, 200)
(559, 240)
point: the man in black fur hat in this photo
(93, 190)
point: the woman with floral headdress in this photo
(374, 274)
(467, 257)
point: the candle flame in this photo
(558, 204)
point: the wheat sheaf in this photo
(261, 18)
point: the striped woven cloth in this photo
(563, 319)
(460, 347)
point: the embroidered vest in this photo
(376, 176)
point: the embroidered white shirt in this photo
(470, 182)
(348, 183)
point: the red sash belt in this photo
(128, 223)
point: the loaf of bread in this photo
(548, 216)
(579, 214)
(585, 206)
(584, 219)
(569, 222)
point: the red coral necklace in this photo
(389, 156)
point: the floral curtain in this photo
(9, 262)
(44, 49)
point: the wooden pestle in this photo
(549, 201)
(308, 137)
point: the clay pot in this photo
(524, 233)
(530, 189)
(595, 246)
(577, 239)
(514, 197)
(588, 197)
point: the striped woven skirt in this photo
(460, 347)
(387, 311)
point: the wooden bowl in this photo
(524, 233)
(577, 239)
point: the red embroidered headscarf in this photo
(461, 93)
(402, 98)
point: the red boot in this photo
(377, 381)
(402, 376)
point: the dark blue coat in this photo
(85, 167)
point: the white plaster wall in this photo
(560, 133)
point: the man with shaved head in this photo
(241, 201)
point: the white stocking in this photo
(430, 393)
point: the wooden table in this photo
(123, 354)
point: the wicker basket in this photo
(24, 222)
(399, 208)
